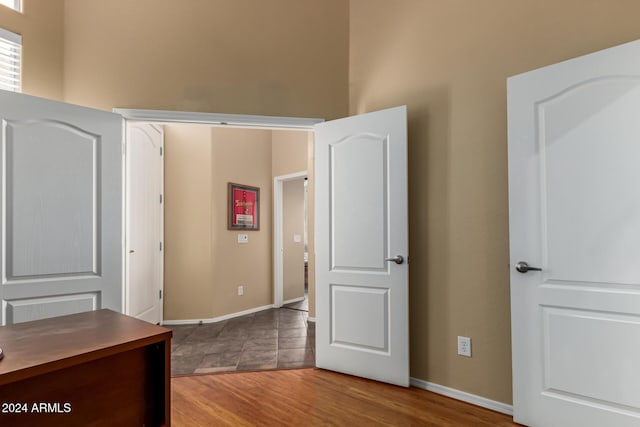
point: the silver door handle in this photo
(398, 259)
(523, 267)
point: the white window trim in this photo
(17, 5)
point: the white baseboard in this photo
(311, 319)
(464, 396)
(289, 301)
(216, 319)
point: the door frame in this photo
(216, 119)
(278, 230)
(160, 117)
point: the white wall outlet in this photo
(243, 238)
(464, 346)
(240, 290)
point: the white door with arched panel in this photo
(145, 226)
(362, 249)
(574, 213)
(61, 217)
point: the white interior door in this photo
(61, 217)
(144, 221)
(574, 212)
(361, 220)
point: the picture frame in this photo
(243, 203)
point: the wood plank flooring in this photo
(315, 397)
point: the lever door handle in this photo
(523, 267)
(398, 259)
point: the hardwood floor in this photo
(315, 397)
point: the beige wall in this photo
(204, 264)
(42, 30)
(448, 61)
(242, 156)
(277, 57)
(289, 152)
(188, 186)
(293, 251)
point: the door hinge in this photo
(161, 198)
(161, 151)
(160, 245)
(160, 293)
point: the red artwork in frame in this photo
(244, 207)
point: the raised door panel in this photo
(27, 309)
(573, 362)
(589, 151)
(360, 318)
(358, 185)
(48, 162)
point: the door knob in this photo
(523, 267)
(398, 259)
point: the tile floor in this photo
(269, 339)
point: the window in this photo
(10, 58)
(13, 4)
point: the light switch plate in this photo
(297, 238)
(243, 238)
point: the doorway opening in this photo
(200, 158)
(303, 305)
(291, 241)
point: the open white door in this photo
(574, 212)
(144, 221)
(61, 196)
(361, 222)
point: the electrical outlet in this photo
(464, 346)
(240, 290)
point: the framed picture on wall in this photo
(244, 207)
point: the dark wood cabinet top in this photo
(42, 346)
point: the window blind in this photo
(10, 60)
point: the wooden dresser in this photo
(98, 368)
